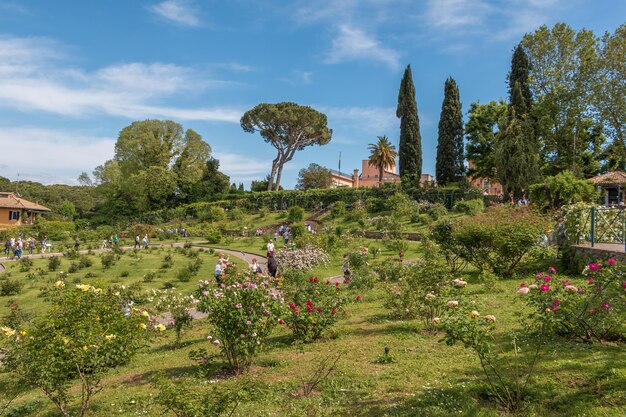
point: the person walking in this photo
(270, 247)
(76, 243)
(44, 244)
(18, 250)
(255, 267)
(137, 243)
(31, 245)
(7, 248)
(345, 266)
(145, 241)
(271, 265)
(104, 244)
(116, 241)
(219, 271)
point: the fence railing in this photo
(603, 225)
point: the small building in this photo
(369, 176)
(612, 186)
(489, 186)
(15, 211)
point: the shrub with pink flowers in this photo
(242, 315)
(592, 310)
(314, 307)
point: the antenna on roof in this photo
(17, 185)
(339, 162)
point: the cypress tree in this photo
(520, 70)
(410, 150)
(450, 166)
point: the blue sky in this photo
(73, 73)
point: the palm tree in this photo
(383, 154)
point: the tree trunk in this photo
(278, 175)
(270, 182)
(380, 176)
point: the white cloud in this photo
(242, 167)
(180, 12)
(298, 77)
(51, 156)
(31, 79)
(456, 13)
(353, 44)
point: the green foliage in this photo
(437, 211)
(149, 276)
(314, 308)
(236, 214)
(26, 264)
(108, 260)
(83, 335)
(296, 214)
(314, 176)
(178, 305)
(561, 189)
(471, 207)
(382, 156)
(182, 398)
(338, 209)
(481, 132)
(296, 231)
(54, 262)
(410, 149)
(213, 236)
(10, 287)
(67, 210)
(496, 240)
(400, 205)
(450, 161)
(242, 317)
(213, 214)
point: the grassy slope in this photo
(426, 379)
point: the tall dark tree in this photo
(410, 150)
(450, 162)
(520, 71)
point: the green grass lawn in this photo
(426, 378)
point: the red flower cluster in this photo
(312, 279)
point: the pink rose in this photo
(547, 278)
(551, 269)
(545, 288)
(523, 291)
(594, 267)
(590, 280)
(611, 261)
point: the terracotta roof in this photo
(610, 178)
(13, 201)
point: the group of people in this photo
(15, 247)
(224, 262)
(141, 243)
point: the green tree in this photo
(85, 180)
(610, 96)
(563, 70)
(212, 182)
(482, 131)
(288, 127)
(147, 144)
(191, 164)
(67, 210)
(314, 176)
(563, 188)
(520, 73)
(382, 155)
(450, 162)
(410, 150)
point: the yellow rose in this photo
(85, 348)
(59, 284)
(474, 314)
(143, 326)
(8, 332)
(66, 340)
(145, 314)
(160, 327)
(110, 337)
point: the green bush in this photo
(296, 214)
(236, 214)
(149, 277)
(296, 231)
(10, 287)
(375, 204)
(338, 209)
(471, 207)
(400, 205)
(561, 189)
(437, 211)
(214, 236)
(25, 264)
(422, 219)
(213, 214)
(54, 263)
(496, 240)
(357, 214)
(108, 260)
(184, 275)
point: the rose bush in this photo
(177, 305)
(85, 333)
(242, 315)
(588, 312)
(301, 259)
(314, 308)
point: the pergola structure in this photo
(613, 187)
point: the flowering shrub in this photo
(361, 276)
(242, 316)
(314, 307)
(507, 380)
(424, 290)
(496, 240)
(177, 305)
(392, 269)
(301, 259)
(84, 334)
(588, 312)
